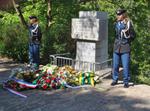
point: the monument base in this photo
(91, 52)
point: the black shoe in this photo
(114, 83)
(126, 85)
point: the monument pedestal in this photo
(90, 52)
(91, 32)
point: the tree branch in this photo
(19, 13)
(48, 16)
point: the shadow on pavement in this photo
(84, 99)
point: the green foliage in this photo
(139, 13)
(57, 38)
(14, 42)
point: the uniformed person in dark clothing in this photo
(34, 41)
(124, 35)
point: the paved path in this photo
(101, 98)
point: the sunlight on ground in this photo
(4, 69)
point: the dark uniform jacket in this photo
(123, 40)
(35, 34)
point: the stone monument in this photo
(91, 32)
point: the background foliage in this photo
(57, 38)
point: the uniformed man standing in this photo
(35, 36)
(124, 35)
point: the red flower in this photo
(47, 75)
(44, 86)
(48, 81)
(43, 77)
(38, 82)
(53, 78)
(61, 72)
(54, 86)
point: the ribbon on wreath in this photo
(86, 78)
(25, 84)
(12, 90)
(15, 92)
(20, 82)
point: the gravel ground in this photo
(103, 97)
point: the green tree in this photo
(55, 19)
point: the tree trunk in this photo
(48, 14)
(19, 13)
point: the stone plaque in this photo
(85, 29)
(86, 51)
